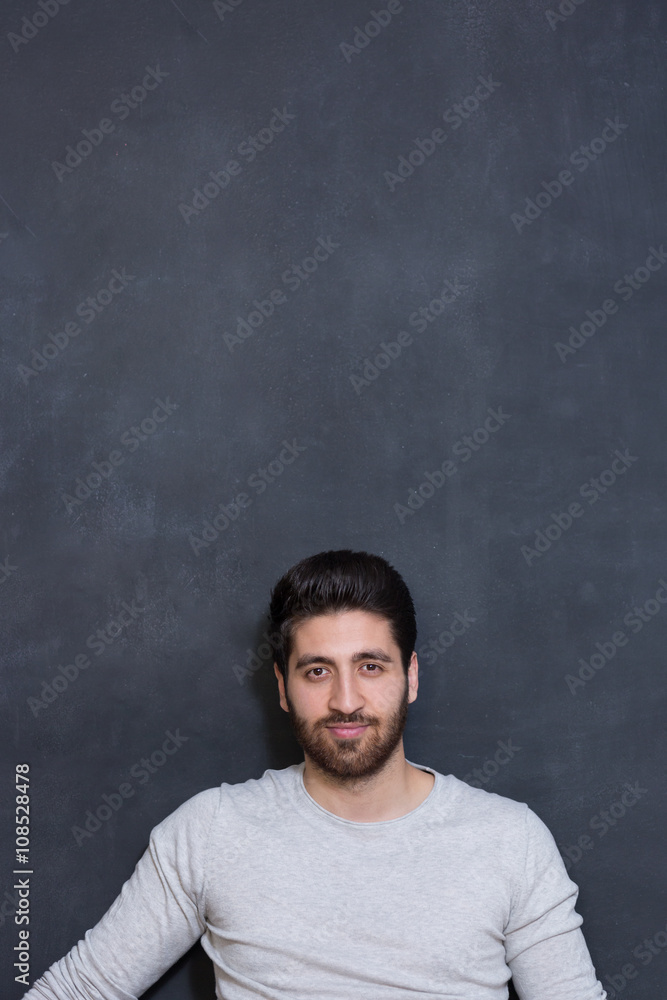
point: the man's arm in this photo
(544, 945)
(155, 919)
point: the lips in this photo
(347, 730)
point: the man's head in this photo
(346, 627)
(336, 581)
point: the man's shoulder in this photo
(488, 814)
(252, 795)
(460, 803)
(486, 801)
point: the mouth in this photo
(347, 730)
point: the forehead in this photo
(343, 632)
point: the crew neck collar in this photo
(424, 806)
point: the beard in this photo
(349, 759)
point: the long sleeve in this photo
(545, 947)
(156, 918)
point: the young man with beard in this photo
(355, 874)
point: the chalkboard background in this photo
(430, 275)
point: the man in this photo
(355, 875)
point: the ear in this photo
(413, 678)
(281, 687)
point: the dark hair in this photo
(341, 580)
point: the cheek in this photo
(305, 701)
(390, 697)
(313, 704)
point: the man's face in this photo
(346, 668)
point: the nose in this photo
(345, 695)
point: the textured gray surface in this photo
(154, 530)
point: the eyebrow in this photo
(368, 654)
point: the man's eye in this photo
(374, 668)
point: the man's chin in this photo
(347, 758)
(346, 766)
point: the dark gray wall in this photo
(538, 304)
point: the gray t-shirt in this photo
(292, 902)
